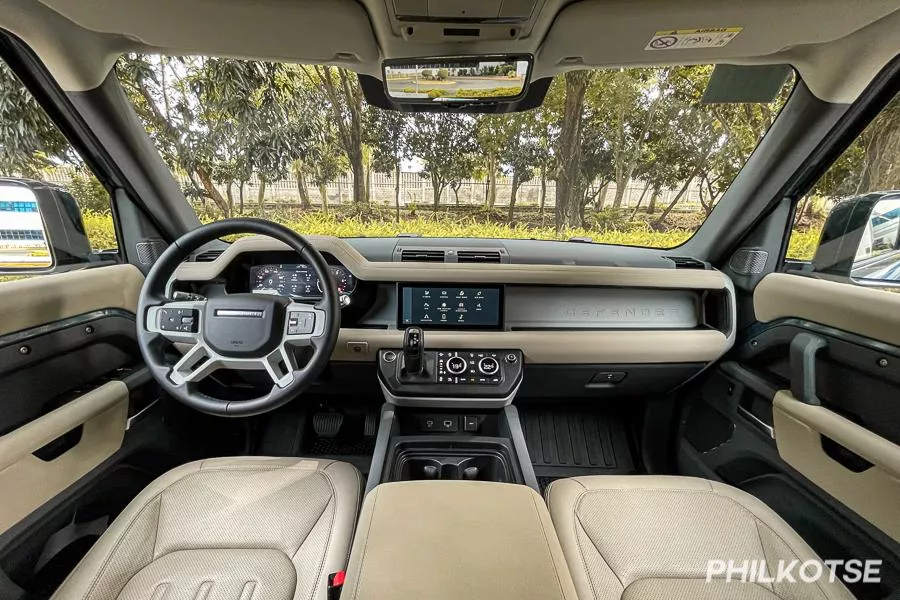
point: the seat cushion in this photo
(227, 529)
(647, 538)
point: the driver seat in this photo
(226, 529)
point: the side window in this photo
(871, 164)
(48, 196)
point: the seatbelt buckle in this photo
(336, 584)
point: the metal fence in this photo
(416, 190)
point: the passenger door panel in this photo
(832, 470)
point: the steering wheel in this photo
(236, 331)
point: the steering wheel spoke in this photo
(178, 322)
(193, 366)
(305, 325)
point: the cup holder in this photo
(488, 463)
(470, 468)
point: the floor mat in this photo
(569, 443)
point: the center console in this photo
(448, 413)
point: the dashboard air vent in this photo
(416, 255)
(478, 256)
(686, 262)
(208, 256)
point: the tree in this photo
(568, 182)
(388, 133)
(443, 142)
(521, 153)
(29, 141)
(345, 101)
(491, 132)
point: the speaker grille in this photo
(749, 261)
(149, 250)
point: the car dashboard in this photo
(641, 325)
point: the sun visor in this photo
(745, 84)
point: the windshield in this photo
(623, 156)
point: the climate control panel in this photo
(452, 373)
(471, 367)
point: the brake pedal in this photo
(327, 425)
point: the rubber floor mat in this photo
(570, 443)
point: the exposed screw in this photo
(24, 350)
(730, 389)
(882, 362)
(754, 343)
(89, 329)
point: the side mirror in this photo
(41, 229)
(861, 240)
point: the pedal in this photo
(327, 425)
(370, 428)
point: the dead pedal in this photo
(327, 425)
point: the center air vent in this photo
(478, 256)
(686, 262)
(208, 256)
(417, 255)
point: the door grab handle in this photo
(804, 349)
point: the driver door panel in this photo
(69, 373)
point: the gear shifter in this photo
(413, 351)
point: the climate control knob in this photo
(456, 365)
(489, 365)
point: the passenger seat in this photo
(652, 537)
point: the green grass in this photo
(100, 231)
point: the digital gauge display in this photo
(297, 281)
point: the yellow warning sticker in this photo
(688, 39)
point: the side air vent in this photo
(416, 255)
(478, 256)
(686, 262)
(208, 256)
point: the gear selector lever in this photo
(413, 351)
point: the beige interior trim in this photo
(864, 311)
(27, 481)
(837, 46)
(874, 494)
(456, 539)
(560, 347)
(366, 270)
(40, 300)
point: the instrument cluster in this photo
(298, 280)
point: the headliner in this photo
(837, 46)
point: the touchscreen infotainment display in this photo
(450, 306)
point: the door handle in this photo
(804, 349)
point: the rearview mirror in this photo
(455, 80)
(24, 244)
(861, 240)
(41, 229)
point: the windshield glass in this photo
(621, 156)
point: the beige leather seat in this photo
(226, 529)
(647, 538)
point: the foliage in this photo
(498, 92)
(29, 141)
(88, 192)
(802, 244)
(443, 142)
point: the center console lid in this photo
(456, 539)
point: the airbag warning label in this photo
(687, 39)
